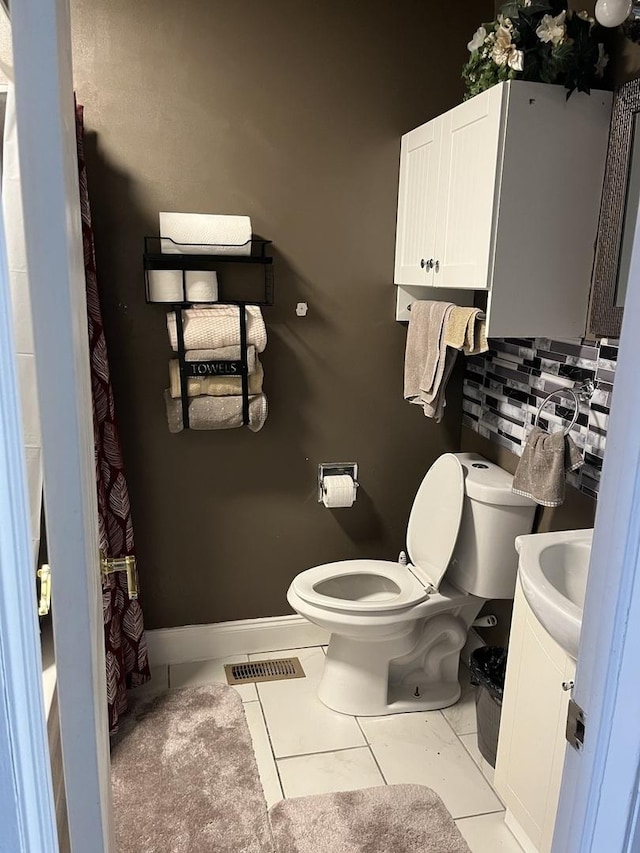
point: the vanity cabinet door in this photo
(531, 746)
(469, 166)
(417, 212)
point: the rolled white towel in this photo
(216, 412)
(214, 386)
(222, 354)
(217, 326)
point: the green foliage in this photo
(515, 47)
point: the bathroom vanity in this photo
(501, 196)
(532, 740)
(541, 665)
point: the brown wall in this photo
(290, 112)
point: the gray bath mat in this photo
(395, 819)
(185, 778)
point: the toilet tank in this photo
(484, 561)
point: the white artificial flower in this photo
(516, 60)
(602, 62)
(478, 40)
(505, 52)
(552, 29)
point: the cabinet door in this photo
(469, 166)
(531, 746)
(417, 195)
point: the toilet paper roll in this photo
(338, 490)
(166, 286)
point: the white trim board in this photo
(225, 639)
(53, 233)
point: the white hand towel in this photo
(218, 326)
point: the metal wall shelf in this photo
(154, 259)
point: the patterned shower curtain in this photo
(125, 643)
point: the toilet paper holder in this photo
(326, 469)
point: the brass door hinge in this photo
(110, 565)
(44, 604)
(575, 725)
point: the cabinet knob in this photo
(427, 265)
(437, 265)
(568, 685)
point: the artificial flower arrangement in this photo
(531, 40)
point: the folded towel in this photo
(428, 363)
(466, 331)
(222, 354)
(217, 326)
(545, 459)
(216, 412)
(214, 386)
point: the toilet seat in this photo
(360, 586)
(380, 586)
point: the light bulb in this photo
(612, 13)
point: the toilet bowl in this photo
(397, 629)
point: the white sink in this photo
(553, 573)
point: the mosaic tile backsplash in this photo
(504, 387)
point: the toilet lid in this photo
(435, 519)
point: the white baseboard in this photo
(225, 639)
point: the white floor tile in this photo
(421, 748)
(346, 770)
(297, 721)
(209, 672)
(262, 749)
(158, 684)
(462, 716)
(471, 745)
(488, 833)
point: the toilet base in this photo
(417, 671)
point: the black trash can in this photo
(488, 666)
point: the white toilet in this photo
(397, 630)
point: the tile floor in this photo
(304, 748)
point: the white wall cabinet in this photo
(502, 195)
(532, 744)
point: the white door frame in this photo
(41, 35)
(600, 797)
(27, 811)
(598, 808)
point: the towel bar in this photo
(584, 392)
(481, 314)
